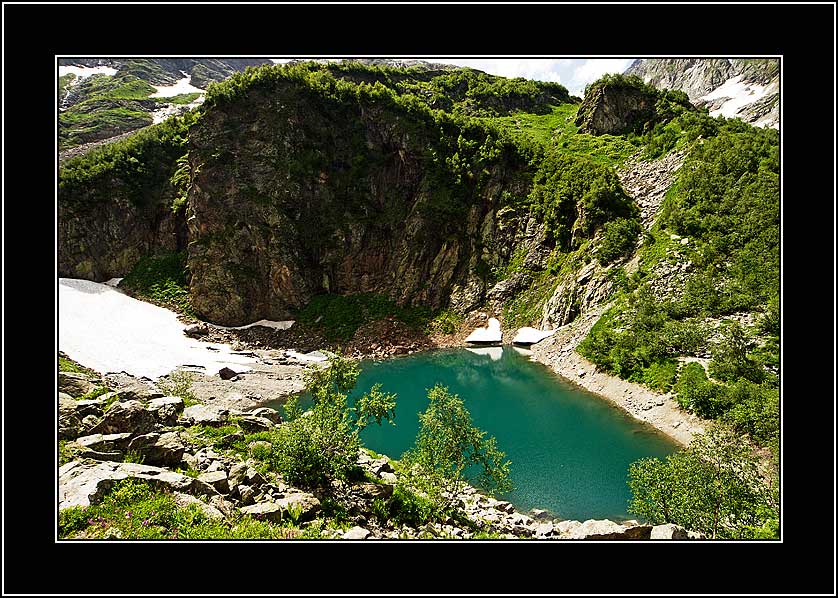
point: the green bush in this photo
(315, 448)
(695, 392)
(447, 447)
(618, 239)
(714, 486)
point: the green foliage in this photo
(406, 507)
(576, 196)
(180, 181)
(727, 201)
(447, 447)
(714, 486)
(695, 392)
(137, 168)
(162, 278)
(755, 410)
(447, 321)
(320, 446)
(637, 339)
(732, 356)
(134, 510)
(618, 239)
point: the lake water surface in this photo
(570, 450)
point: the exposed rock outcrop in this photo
(614, 110)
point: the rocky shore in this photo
(136, 418)
(659, 410)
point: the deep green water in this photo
(570, 450)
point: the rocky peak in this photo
(745, 88)
(614, 109)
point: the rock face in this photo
(104, 230)
(749, 87)
(614, 110)
(305, 176)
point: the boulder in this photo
(196, 330)
(101, 456)
(268, 413)
(75, 384)
(388, 477)
(604, 529)
(540, 514)
(81, 484)
(166, 409)
(356, 533)
(165, 449)
(105, 442)
(253, 423)
(372, 491)
(236, 474)
(184, 500)
(381, 465)
(89, 421)
(504, 506)
(130, 388)
(63, 395)
(544, 530)
(670, 531)
(129, 416)
(69, 423)
(302, 500)
(226, 373)
(269, 511)
(217, 479)
(90, 407)
(246, 494)
(207, 415)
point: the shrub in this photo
(447, 447)
(618, 239)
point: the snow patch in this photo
(531, 336)
(168, 110)
(104, 329)
(182, 86)
(86, 71)
(314, 356)
(741, 94)
(276, 325)
(489, 334)
(113, 282)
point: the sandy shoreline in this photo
(658, 410)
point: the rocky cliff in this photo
(295, 195)
(743, 88)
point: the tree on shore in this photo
(717, 486)
(448, 448)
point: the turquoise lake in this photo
(570, 450)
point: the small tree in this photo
(714, 486)
(447, 445)
(320, 446)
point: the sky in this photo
(573, 73)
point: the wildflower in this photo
(145, 522)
